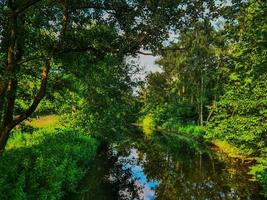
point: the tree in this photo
(192, 72)
(240, 114)
(41, 33)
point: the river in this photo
(165, 166)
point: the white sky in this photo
(148, 63)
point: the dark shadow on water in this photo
(165, 166)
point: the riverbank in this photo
(198, 133)
(246, 154)
(231, 151)
(52, 161)
(44, 160)
(164, 165)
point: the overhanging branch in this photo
(40, 95)
(90, 5)
(27, 5)
(145, 53)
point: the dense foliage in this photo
(44, 164)
(106, 103)
(43, 38)
(70, 58)
(190, 78)
(240, 114)
(216, 78)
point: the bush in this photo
(194, 131)
(171, 124)
(44, 164)
(148, 125)
(263, 181)
(148, 122)
(259, 172)
(172, 114)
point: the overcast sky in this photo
(148, 62)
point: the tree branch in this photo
(175, 49)
(145, 53)
(26, 6)
(22, 61)
(65, 20)
(81, 49)
(38, 97)
(163, 50)
(91, 5)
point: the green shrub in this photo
(148, 122)
(169, 115)
(194, 131)
(171, 124)
(263, 181)
(259, 172)
(44, 164)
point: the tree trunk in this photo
(9, 123)
(10, 81)
(8, 87)
(4, 135)
(201, 101)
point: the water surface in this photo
(165, 166)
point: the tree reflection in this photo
(186, 170)
(165, 166)
(108, 180)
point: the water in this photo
(165, 166)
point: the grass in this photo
(45, 164)
(229, 149)
(44, 122)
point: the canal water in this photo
(165, 166)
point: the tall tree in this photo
(36, 34)
(240, 114)
(192, 71)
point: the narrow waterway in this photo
(165, 166)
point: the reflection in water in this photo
(165, 167)
(137, 172)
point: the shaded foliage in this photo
(45, 164)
